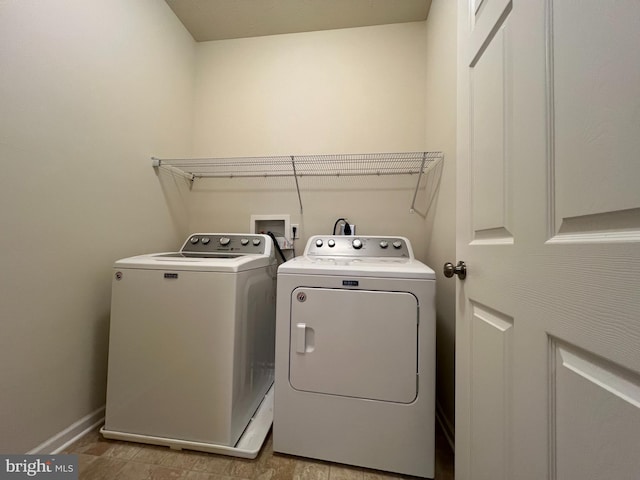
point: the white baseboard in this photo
(73, 432)
(447, 426)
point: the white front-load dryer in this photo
(355, 355)
(192, 344)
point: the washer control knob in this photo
(319, 242)
(331, 243)
(244, 242)
(224, 241)
(357, 244)
(384, 244)
(397, 244)
(205, 240)
(256, 242)
(193, 240)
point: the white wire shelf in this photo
(297, 166)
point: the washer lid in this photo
(211, 252)
(362, 267)
(178, 261)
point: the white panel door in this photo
(548, 192)
(354, 343)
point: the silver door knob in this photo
(460, 270)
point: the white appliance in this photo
(191, 346)
(355, 355)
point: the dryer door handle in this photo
(301, 338)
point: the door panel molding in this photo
(489, 103)
(485, 24)
(594, 415)
(491, 366)
(587, 205)
(618, 226)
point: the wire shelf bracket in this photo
(298, 166)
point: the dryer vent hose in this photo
(275, 242)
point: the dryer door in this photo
(354, 343)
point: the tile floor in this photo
(102, 459)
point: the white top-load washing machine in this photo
(191, 345)
(355, 355)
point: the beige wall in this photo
(88, 91)
(341, 91)
(441, 129)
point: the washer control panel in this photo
(355, 246)
(203, 243)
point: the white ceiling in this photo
(223, 19)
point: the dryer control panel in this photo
(353, 246)
(230, 243)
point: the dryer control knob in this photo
(205, 240)
(384, 244)
(244, 241)
(357, 244)
(224, 241)
(318, 243)
(193, 240)
(256, 242)
(397, 244)
(331, 243)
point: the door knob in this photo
(460, 270)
